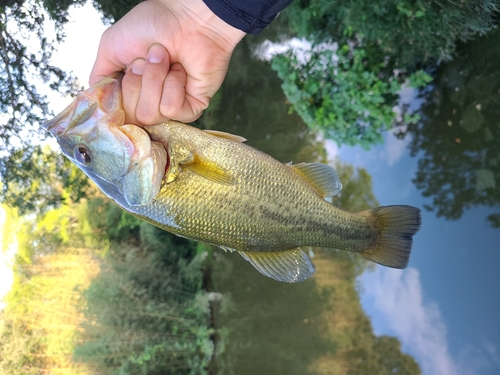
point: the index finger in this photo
(106, 63)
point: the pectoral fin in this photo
(289, 266)
(209, 170)
(225, 135)
(322, 177)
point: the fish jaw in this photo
(101, 101)
(121, 159)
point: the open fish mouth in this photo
(104, 99)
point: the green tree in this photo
(405, 31)
(458, 137)
(146, 312)
(362, 53)
(342, 93)
(22, 67)
(40, 322)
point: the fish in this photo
(210, 186)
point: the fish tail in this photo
(396, 225)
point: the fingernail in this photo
(137, 67)
(176, 66)
(156, 54)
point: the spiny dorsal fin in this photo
(225, 135)
(289, 266)
(321, 176)
(209, 170)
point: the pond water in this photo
(443, 309)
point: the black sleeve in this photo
(250, 16)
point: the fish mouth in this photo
(104, 97)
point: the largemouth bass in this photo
(209, 186)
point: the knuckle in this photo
(145, 115)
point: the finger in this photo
(156, 70)
(131, 90)
(175, 102)
(106, 62)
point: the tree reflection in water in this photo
(313, 327)
(458, 136)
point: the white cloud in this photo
(394, 148)
(332, 150)
(400, 308)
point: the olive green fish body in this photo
(209, 186)
(268, 207)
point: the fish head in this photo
(121, 159)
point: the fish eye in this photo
(82, 154)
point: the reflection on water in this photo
(317, 326)
(458, 139)
(313, 327)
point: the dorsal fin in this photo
(321, 176)
(225, 135)
(209, 170)
(289, 266)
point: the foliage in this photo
(22, 68)
(408, 32)
(339, 93)
(41, 321)
(120, 305)
(457, 138)
(145, 312)
(357, 189)
(37, 179)
(349, 92)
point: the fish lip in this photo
(50, 125)
(112, 82)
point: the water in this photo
(444, 307)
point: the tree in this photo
(23, 68)
(458, 137)
(405, 31)
(363, 52)
(343, 93)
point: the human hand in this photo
(175, 54)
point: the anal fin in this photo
(289, 266)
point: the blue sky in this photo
(444, 306)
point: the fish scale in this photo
(209, 186)
(264, 205)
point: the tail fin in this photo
(397, 225)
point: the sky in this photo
(444, 306)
